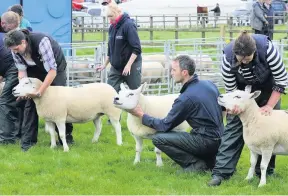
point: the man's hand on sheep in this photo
(266, 110)
(126, 70)
(137, 111)
(29, 96)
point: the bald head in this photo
(9, 21)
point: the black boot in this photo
(215, 181)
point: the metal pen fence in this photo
(83, 58)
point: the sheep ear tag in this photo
(248, 88)
(255, 94)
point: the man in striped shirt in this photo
(255, 61)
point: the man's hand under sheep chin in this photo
(137, 111)
(29, 96)
(266, 110)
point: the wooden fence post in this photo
(151, 28)
(104, 29)
(222, 31)
(176, 27)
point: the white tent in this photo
(160, 7)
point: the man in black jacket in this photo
(8, 111)
(197, 104)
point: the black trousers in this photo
(115, 77)
(9, 126)
(231, 147)
(30, 119)
(188, 149)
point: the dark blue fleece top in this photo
(198, 105)
(123, 41)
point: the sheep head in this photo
(239, 98)
(128, 99)
(26, 86)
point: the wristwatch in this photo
(38, 94)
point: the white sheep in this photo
(156, 106)
(161, 58)
(82, 68)
(80, 104)
(152, 72)
(264, 135)
(203, 61)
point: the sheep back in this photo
(267, 130)
(156, 106)
(78, 104)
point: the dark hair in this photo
(14, 38)
(244, 45)
(17, 8)
(186, 63)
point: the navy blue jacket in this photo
(123, 41)
(198, 105)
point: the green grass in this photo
(166, 35)
(105, 168)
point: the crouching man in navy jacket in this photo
(197, 104)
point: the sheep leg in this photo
(159, 161)
(50, 127)
(139, 145)
(253, 162)
(266, 156)
(98, 128)
(117, 126)
(47, 128)
(62, 133)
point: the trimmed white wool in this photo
(263, 134)
(59, 105)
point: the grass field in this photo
(107, 169)
(160, 35)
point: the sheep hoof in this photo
(53, 146)
(94, 140)
(136, 162)
(119, 143)
(159, 164)
(249, 178)
(261, 185)
(66, 149)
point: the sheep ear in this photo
(122, 87)
(248, 88)
(255, 94)
(143, 87)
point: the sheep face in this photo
(128, 99)
(26, 86)
(238, 98)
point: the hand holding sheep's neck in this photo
(39, 100)
(250, 114)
